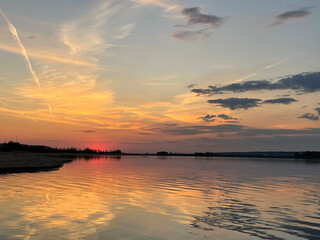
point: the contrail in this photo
(277, 63)
(15, 35)
(246, 77)
(24, 53)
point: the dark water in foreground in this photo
(164, 198)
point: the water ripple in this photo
(176, 198)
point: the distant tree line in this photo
(308, 154)
(16, 146)
(303, 155)
(196, 154)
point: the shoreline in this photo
(24, 162)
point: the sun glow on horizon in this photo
(111, 80)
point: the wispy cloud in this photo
(195, 130)
(45, 55)
(15, 35)
(252, 74)
(239, 130)
(92, 33)
(125, 31)
(70, 94)
(165, 77)
(160, 83)
(163, 80)
(71, 91)
(10, 110)
(167, 5)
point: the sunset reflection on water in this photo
(163, 198)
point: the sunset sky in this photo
(151, 75)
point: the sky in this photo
(151, 75)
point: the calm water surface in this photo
(164, 198)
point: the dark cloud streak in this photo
(191, 85)
(208, 118)
(199, 25)
(195, 17)
(302, 83)
(213, 118)
(236, 103)
(246, 103)
(195, 130)
(226, 117)
(191, 36)
(309, 116)
(300, 13)
(280, 101)
(240, 130)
